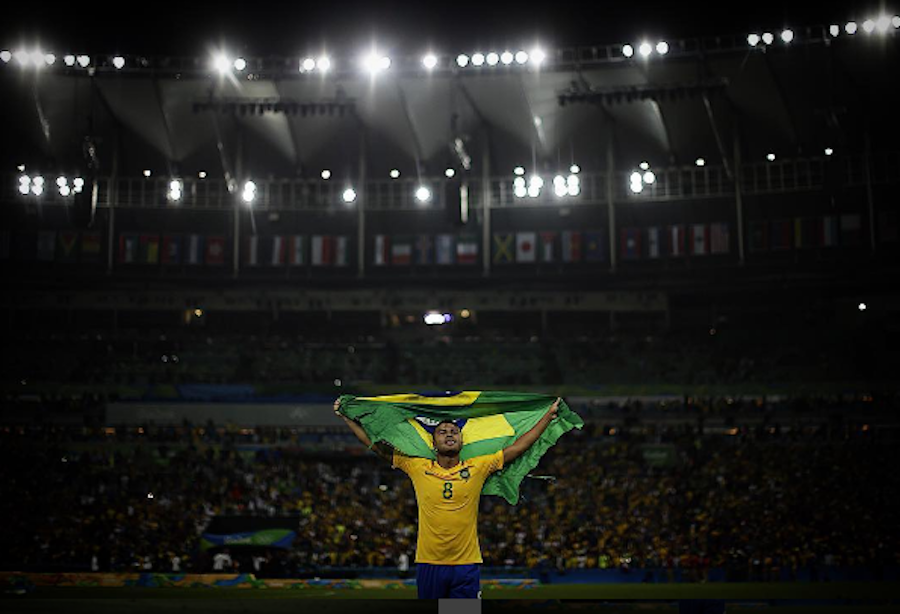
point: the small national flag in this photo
(128, 248)
(851, 230)
(594, 247)
(488, 421)
(340, 250)
(571, 246)
(215, 251)
(630, 246)
(759, 236)
(382, 250)
(297, 250)
(699, 239)
(171, 249)
(829, 230)
(193, 247)
(149, 249)
(503, 248)
(401, 251)
(46, 245)
(548, 246)
(719, 238)
(653, 242)
(424, 250)
(467, 250)
(279, 251)
(806, 231)
(675, 237)
(445, 249)
(525, 247)
(322, 250)
(90, 247)
(68, 246)
(780, 234)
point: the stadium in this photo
(689, 238)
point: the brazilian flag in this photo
(489, 421)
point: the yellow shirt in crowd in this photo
(448, 506)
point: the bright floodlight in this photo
(644, 165)
(828, 151)
(868, 26)
(24, 188)
(69, 60)
(895, 21)
(307, 64)
(560, 188)
(520, 191)
(559, 180)
(146, 173)
(175, 185)
(64, 190)
(429, 61)
(536, 180)
(636, 187)
(883, 23)
(521, 57)
(221, 64)
(575, 169)
(492, 58)
(248, 196)
(375, 63)
(5, 56)
(635, 177)
(250, 187)
(506, 57)
(519, 170)
(423, 194)
(21, 57)
(538, 56)
(572, 180)
(79, 182)
(326, 174)
(37, 190)
(834, 30)
(700, 162)
(349, 195)
(574, 190)
(862, 306)
(627, 51)
(61, 181)
(770, 157)
(202, 174)
(533, 191)
(25, 179)
(394, 173)
(787, 35)
(753, 40)
(323, 63)
(449, 172)
(118, 62)
(84, 60)
(850, 27)
(519, 182)
(462, 60)
(662, 47)
(38, 180)
(50, 59)
(37, 57)
(645, 49)
(768, 38)
(477, 59)
(240, 64)
(649, 177)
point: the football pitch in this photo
(744, 597)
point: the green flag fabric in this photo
(489, 421)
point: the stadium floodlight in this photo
(649, 177)
(5, 56)
(895, 21)
(753, 40)
(323, 63)
(250, 186)
(21, 57)
(644, 165)
(536, 180)
(828, 151)
(430, 61)
(36, 189)
(574, 190)
(768, 38)
(883, 23)
(37, 57)
(519, 170)
(560, 189)
(69, 60)
(423, 194)
(176, 189)
(477, 59)
(627, 51)
(374, 63)
(850, 28)
(520, 191)
(394, 173)
(349, 195)
(559, 180)
(635, 177)
(537, 56)
(433, 318)
(636, 187)
(202, 174)
(645, 49)
(519, 182)
(573, 180)
(118, 62)
(533, 191)
(506, 57)
(449, 172)
(868, 26)
(240, 64)
(862, 307)
(492, 58)
(83, 60)
(770, 157)
(221, 63)
(50, 59)
(574, 169)
(21, 168)
(326, 174)
(787, 35)
(834, 30)
(79, 183)
(662, 47)
(25, 179)
(24, 189)
(65, 190)
(248, 196)
(307, 65)
(700, 162)
(39, 180)
(146, 172)
(462, 60)
(521, 57)
(61, 181)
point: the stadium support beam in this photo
(738, 196)
(718, 136)
(610, 195)
(417, 144)
(292, 131)
(171, 153)
(670, 150)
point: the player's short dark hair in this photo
(434, 432)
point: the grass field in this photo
(772, 598)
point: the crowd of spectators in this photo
(753, 503)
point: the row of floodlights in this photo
(562, 186)
(39, 59)
(36, 185)
(882, 24)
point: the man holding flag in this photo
(454, 449)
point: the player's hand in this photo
(337, 406)
(552, 412)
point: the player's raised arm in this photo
(379, 448)
(524, 442)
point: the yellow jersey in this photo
(448, 506)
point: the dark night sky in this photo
(294, 28)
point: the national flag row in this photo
(51, 246)
(296, 250)
(171, 249)
(425, 249)
(806, 232)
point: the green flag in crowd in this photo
(489, 421)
